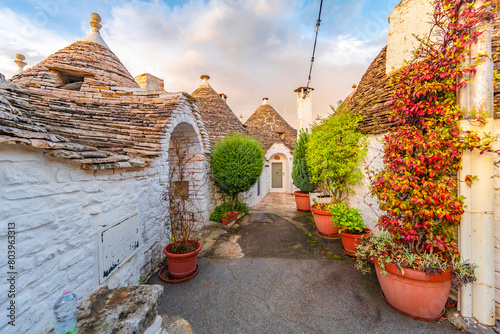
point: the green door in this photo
(277, 175)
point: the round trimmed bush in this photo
(237, 163)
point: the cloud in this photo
(250, 48)
(28, 35)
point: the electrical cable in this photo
(318, 22)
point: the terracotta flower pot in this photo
(231, 218)
(350, 241)
(302, 201)
(182, 265)
(414, 293)
(324, 223)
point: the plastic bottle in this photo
(64, 311)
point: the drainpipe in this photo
(477, 233)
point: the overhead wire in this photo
(318, 22)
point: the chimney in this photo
(20, 65)
(304, 107)
(150, 82)
(223, 96)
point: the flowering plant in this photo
(417, 187)
(227, 214)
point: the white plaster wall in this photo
(361, 199)
(497, 225)
(279, 148)
(59, 211)
(409, 17)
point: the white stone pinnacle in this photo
(95, 36)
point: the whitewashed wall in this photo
(59, 211)
(361, 199)
(497, 226)
(279, 148)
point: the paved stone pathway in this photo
(272, 273)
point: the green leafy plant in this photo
(385, 250)
(237, 162)
(335, 152)
(300, 170)
(347, 218)
(220, 210)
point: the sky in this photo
(250, 48)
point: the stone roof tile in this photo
(268, 126)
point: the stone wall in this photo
(409, 17)
(59, 211)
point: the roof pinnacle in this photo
(96, 22)
(95, 36)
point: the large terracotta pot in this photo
(302, 201)
(182, 265)
(324, 223)
(414, 293)
(350, 241)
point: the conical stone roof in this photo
(94, 62)
(218, 118)
(267, 125)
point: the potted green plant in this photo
(300, 173)
(183, 214)
(351, 224)
(229, 217)
(417, 257)
(237, 162)
(335, 152)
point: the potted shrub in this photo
(417, 186)
(335, 151)
(182, 252)
(351, 225)
(237, 162)
(300, 173)
(229, 217)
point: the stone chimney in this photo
(20, 65)
(223, 96)
(150, 82)
(304, 107)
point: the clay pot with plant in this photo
(183, 214)
(351, 224)
(300, 173)
(417, 256)
(335, 151)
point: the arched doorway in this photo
(278, 168)
(187, 185)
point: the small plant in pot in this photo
(352, 227)
(335, 152)
(229, 217)
(183, 214)
(300, 172)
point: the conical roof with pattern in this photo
(267, 125)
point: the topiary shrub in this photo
(241, 207)
(335, 152)
(300, 170)
(237, 163)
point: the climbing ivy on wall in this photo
(417, 187)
